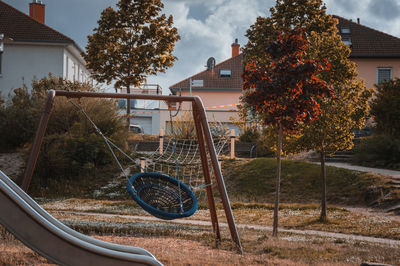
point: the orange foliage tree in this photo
(284, 92)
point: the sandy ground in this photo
(11, 164)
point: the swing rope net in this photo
(187, 156)
(180, 158)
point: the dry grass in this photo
(291, 216)
(259, 249)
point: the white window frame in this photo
(383, 68)
(223, 73)
(345, 30)
(1, 53)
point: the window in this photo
(1, 51)
(383, 74)
(345, 30)
(346, 40)
(225, 73)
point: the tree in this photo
(284, 93)
(386, 108)
(341, 116)
(130, 43)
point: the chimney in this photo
(235, 48)
(358, 20)
(36, 10)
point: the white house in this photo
(30, 50)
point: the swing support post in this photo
(207, 178)
(204, 137)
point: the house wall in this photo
(366, 68)
(74, 68)
(23, 63)
(217, 98)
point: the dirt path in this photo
(392, 173)
(375, 240)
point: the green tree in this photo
(385, 108)
(341, 116)
(130, 43)
(283, 94)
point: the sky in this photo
(207, 27)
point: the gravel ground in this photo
(12, 164)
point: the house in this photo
(29, 49)
(376, 54)
(219, 87)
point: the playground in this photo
(181, 212)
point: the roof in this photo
(20, 27)
(368, 42)
(212, 80)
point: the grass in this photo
(291, 216)
(194, 244)
(251, 187)
(254, 181)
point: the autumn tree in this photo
(130, 43)
(334, 129)
(283, 93)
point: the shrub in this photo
(378, 151)
(71, 147)
(385, 108)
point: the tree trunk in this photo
(323, 217)
(128, 107)
(278, 182)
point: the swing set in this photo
(160, 194)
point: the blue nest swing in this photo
(162, 196)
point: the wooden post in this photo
(233, 144)
(218, 174)
(207, 177)
(37, 143)
(161, 141)
(142, 164)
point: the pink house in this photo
(218, 85)
(376, 54)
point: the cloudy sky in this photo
(207, 27)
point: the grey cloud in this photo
(347, 5)
(385, 9)
(199, 11)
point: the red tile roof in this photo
(212, 79)
(20, 27)
(368, 42)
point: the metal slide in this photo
(37, 229)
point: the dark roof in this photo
(20, 27)
(212, 79)
(368, 42)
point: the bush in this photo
(385, 108)
(378, 151)
(18, 122)
(71, 147)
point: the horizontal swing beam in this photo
(197, 105)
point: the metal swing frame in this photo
(204, 138)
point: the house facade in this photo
(30, 50)
(219, 87)
(376, 54)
